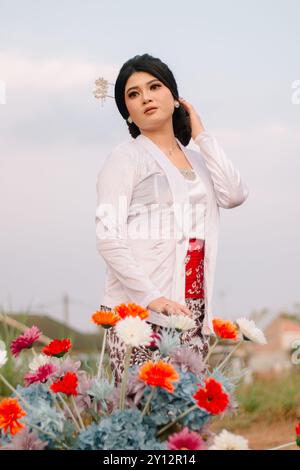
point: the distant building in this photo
(283, 337)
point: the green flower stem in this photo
(40, 430)
(15, 391)
(33, 352)
(211, 350)
(70, 412)
(125, 377)
(44, 432)
(148, 401)
(95, 405)
(186, 412)
(282, 446)
(102, 354)
(229, 355)
(77, 412)
(61, 410)
(56, 402)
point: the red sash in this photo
(194, 269)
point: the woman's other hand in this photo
(196, 124)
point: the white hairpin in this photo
(101, 91)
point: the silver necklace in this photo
(188, 173)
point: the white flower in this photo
(41, 360)
(180, 322)
(250, 331)
(3, 354)
(134, 331)
(228, 441)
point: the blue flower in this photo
(34, 392)
(43, 414)
(48, 420)
(122, 430)
(167, 406)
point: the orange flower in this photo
(105, 318)
(10, 412)
(131, 310)
(159, 374)
(225, 329)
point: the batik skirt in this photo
(194, 300)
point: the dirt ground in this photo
(263, 436)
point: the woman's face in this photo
(143, 90)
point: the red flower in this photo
(66, 384)
(212, 397)
(57, 347)
(131, 310)
(41, 375)
(25, 341)
(297, 429)
(185, 440)
(10, 413)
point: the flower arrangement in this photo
(164, 404)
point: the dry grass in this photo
(263, 436)
(269, 410)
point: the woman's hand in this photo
(196, 123)
(169, 307)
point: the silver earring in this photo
(177, 104)
(129, 120)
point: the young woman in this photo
(158, 202)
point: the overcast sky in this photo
(236, 62)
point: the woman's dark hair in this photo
(157, 68)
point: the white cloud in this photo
(51, 74)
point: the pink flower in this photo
(83, 400)
(154, 342)
(41, 375)
(184, 359)
(67, 364)
(25, 440)
(25, 341)
(185, 440)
